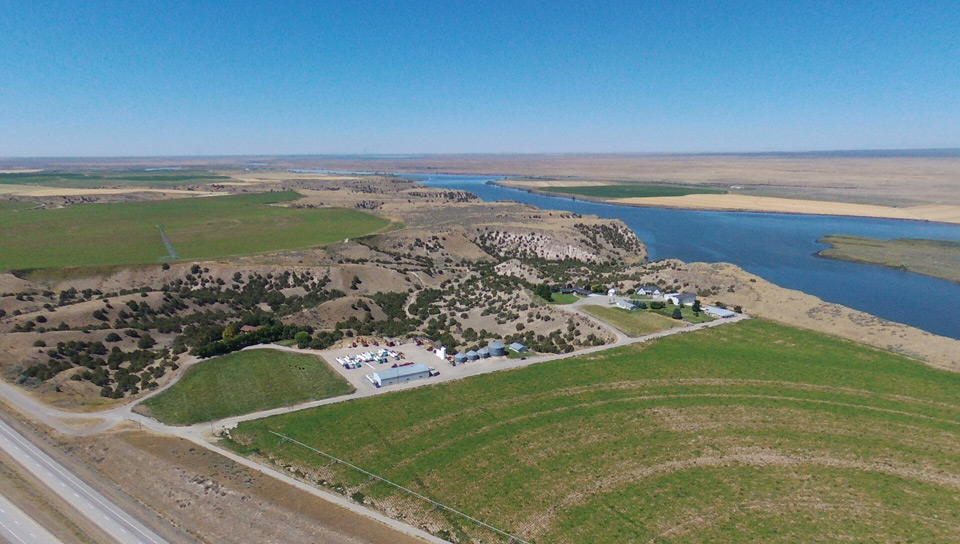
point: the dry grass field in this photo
(883, 180)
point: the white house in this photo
(626, 304)
(649, 290)
(612, 292)
(441, 352)
(685, 299)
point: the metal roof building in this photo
(716, 311)
(518, 347)
(497, 349)
(401, 374)
(472, 355)
(483, 353)
(460, 357)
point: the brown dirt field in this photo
(12, 284)
(328, 313)
(218, 500)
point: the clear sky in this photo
(234, 77)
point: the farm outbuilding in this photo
(718, 312)
(626, 304)
(472, 355)
(497, 349)
(518, 347)
(483, 353)
(401, 374)
(685, 299)
(460, 357)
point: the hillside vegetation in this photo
(752, 431)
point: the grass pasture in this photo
(94, 180)
(244, 382)
(14, 205)
(632, 190)
(562, 298)
(635, 323)
(198, 228)
(753, 431)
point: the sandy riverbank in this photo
(738, 202)
(733, 202)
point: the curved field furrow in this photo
(753, 431)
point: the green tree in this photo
(228, 332)
(677, 314)
(303, 339)
(696, 307)
(146, 341)
(543, 291)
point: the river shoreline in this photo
(802, 207)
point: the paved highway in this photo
(19, 528)
(109, 517)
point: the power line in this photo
(285, 438)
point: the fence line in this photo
(402, 488)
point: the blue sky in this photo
(201, 78)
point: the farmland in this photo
(133, 178)
(635, 323)
(634, 190)
(751, 431)
(12, 205)
(199, 228)
(244, 382)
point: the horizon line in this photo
(376, 156)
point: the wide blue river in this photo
(778, 247)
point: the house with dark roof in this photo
(649, 290)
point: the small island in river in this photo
(938, 258)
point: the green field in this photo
(749, 432)
(133, 178)
(686, 312)
(13, 205)
(563, 298)
(939, 258)
(244, 382)
(634, 190)
(198, 228)
(634, 323)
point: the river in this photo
(780, 248)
